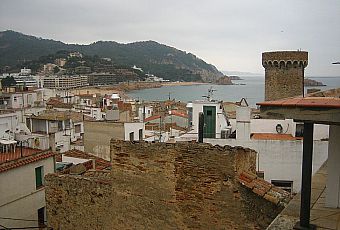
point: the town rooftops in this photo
(22, 157)
(54, 115)
(56, 103)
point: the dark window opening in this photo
(41, 217)
(141, 134)
(299, 130)
(132, 136)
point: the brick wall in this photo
(161, 186)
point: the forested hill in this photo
(16, 49)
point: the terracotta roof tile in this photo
(321, 102)
(274, 136)
(17, 160)
(152, 118)
(264, 189)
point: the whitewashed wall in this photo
(280, 160)
(19, 197)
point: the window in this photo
(299, 130)
(141, 134)
(39, 175)
(41, 217)
(77, 128)
(132, 136)
(60, 125)
(15, 99)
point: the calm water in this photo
(253, 90)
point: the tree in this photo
(8, 82)
(56, 69)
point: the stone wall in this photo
(284, 73)
(162, 186)
(75, 202)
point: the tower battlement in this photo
(284, 72)
(286, 59)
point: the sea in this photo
(251, 88)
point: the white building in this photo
(22, 199)
(144, 112)
(64, 82)
(25, 71)
(215, 119)
(279, 146)
(61, 128)
(18, 100)
(8, 123)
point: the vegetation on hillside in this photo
(17, 50)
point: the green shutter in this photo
(209, 130)
(38, 177)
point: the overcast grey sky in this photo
(228, 34)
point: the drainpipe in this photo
(200, 127)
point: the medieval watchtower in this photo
(284, 73)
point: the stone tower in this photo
(284, 73)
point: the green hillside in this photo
(16, 49)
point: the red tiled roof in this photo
(152, 118)
(264, 189)
(176, 113)
(274, 136)
(100, 162)
(15, 159)
(321, 102)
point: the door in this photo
(209, 130)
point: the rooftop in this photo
(99, 162)
(22, 157)
(274, 136)
(55, 115)
(320, 102)
(320, 110)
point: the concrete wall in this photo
(288, 126)
(22, 100)
(280, 160)
(134, 127)
(8, 121)
(180, 121)
(19, 197)
(98, 134)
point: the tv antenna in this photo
(210, 94)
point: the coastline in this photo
(183, 83)
(123, 88)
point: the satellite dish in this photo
(279, 128)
